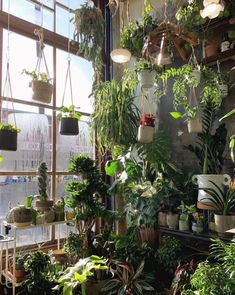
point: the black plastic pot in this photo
(69, 126)
(8, 140)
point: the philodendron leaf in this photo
(111, 168)
(176, 115)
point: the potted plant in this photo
(43, 204)
(197, 223)
(146, 72)
(8, 137)
(41, 86)
(89, 32)
(129, 280)
(19, 272)
(172, 217)
(146, 128)
(22, 216)
(223, 202)
(185, 212)
(74, 247)
(58, 208)
(68, 119)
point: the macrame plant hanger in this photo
(8, 143)
(195, 124)
(69, 124)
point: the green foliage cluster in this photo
(36, 76)
(73, 247)
(68, 112)
(9, 127)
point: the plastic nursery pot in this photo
(146, 78)
(8, 140)
(42, 91)
(69, 126)
(194, 126)
(211, 49)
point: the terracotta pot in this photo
(8, 140)
(43, 206)
(162, 219)
(42, 91)
(19, 275)
(212, 49)
(172, 220)
(146, 78)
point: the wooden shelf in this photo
(221, 57)
(191, 235)
(37, 225)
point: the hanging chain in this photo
(7, 89)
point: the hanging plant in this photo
(89, 32)
(146, 128)
(68, 119)
(8, 137)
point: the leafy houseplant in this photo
(43, 204)
(223, 202)
(41, 86)
(22, 216)
(69, 120)
(89, 32)
(186, 211)
(197, 223)
(58, 208)
(73, 247)
(8, 137)
(129, 280)
(77, 275)
(115, 115)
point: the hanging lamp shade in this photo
(212, 8)
(120, 55)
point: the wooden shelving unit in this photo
(221, 57)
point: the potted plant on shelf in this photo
(22, 216)
(185, 212)
(19, 272)
(197, 223)
(172, 217)
(58, 208)
(146, 128)
(43, 204)
(223, 202)
(8, 137)
(68, 119)
(41, 86)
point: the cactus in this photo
(42, 181)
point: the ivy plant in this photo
(68, 112)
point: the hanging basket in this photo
(42, 91)
(194, 125)
(146, 129)
(146, 78)
(8, 140)
(69, 126)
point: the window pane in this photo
(14, 190)
(71, 3)
(23, 55)
(34, 142)
(68, 146)
(31, 12)
(64, 25)
(81, 74)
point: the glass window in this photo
(71, 3)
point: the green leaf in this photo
(111, 168)
(176, 115)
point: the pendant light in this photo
(122, 55)
(212, 8)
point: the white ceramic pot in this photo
(183, 225)
(224, 222)
(172, 220)
(204, 181)
(197, 227)
(146, 78)
(223, 90)
(145, 134)
(194, 126)
(196, 74)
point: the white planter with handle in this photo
(204, 181)
(224, 223)
(146, 78)
(145, 134)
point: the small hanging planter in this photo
(195, 68)
(8, 137)
(146, 129)
(42, 91)
(68, 119)
(146, 78)
(194, 125)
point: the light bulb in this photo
(120, 55)
(212, 9)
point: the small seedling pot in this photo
(42, 91)
(8, 140)
(69, 126)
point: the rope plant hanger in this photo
(68, 117)
(8, 132)
(40, 83)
